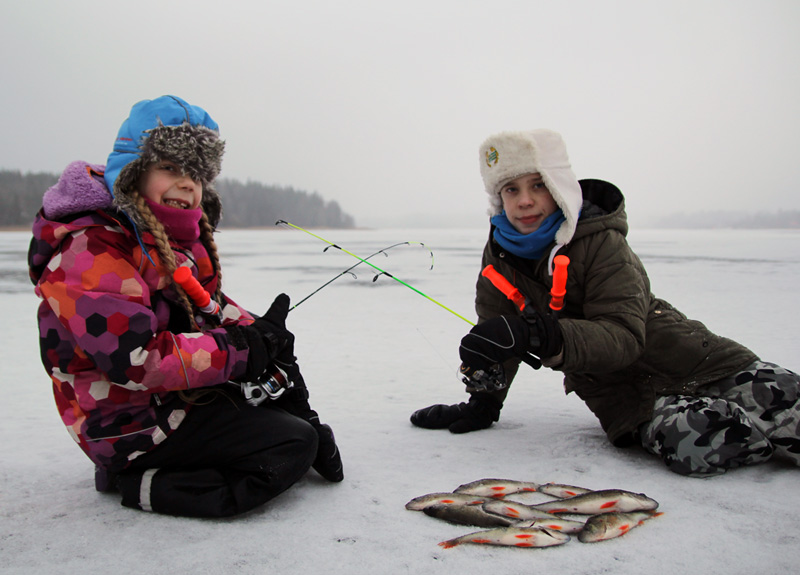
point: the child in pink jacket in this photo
(158, 393)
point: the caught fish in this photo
(611, 525)
(554, 523)
(496, 487)
(419, 503)
(514, 510)
(467, 515)
(604, 501)
(510, 537)
(562, 491)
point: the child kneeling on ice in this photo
(701, 402)
(142, 378)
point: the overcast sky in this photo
(685, 105)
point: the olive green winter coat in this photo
(622, 345)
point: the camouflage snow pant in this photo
(740, 420)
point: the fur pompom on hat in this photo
(508, 155)
(166, 129)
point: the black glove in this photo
(272, 327)
(258, 357)
(501, 338)
(545, 339)
(266, 340)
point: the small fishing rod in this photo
(351, 268)
(370, 264)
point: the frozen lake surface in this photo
(373, 352)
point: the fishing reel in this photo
(480, 380)
(271, 385)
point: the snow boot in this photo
(104, 480)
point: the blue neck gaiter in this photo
(530, 246)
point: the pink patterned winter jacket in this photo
(114, 341)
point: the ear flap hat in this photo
(508, 155)
(167, 128)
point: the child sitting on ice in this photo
(653, 377)
(141, 375)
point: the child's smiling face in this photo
(527, 202)
(164, 183)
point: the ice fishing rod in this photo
(355, 265)
(273, 382)
(370, 264)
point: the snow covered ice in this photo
(374, 351)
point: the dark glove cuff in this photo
(236, 336)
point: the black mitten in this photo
(480, 412)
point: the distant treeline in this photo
(244, 205)
(785, 219)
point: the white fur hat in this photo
(508, 155)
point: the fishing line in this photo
(383, 272)
(350, 269)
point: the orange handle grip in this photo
(504, 286)
(184, 278)
(559, 289)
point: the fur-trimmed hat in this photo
(508, 155)
(167, 128)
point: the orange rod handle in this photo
(559, 289)
(504, 286)
(201, 298)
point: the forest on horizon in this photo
(245, 205)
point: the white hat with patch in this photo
(508, 155)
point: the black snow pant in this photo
(225, 458)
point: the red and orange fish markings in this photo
(484, 541)
(530, 489)
(556, 527)
(447, 501)
(523, 544)
(609, 504)
(524, 536)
